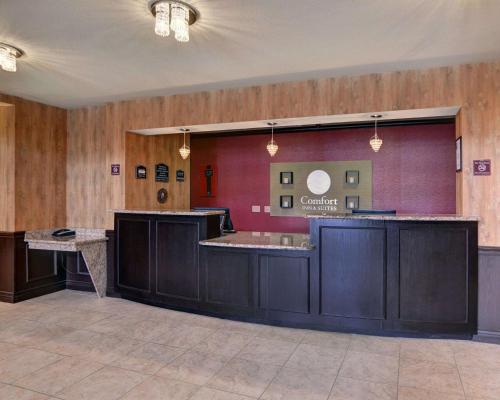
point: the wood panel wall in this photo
(474, 87)
(39, 165)
(148, 151)
(7, 161)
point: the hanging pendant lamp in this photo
(184, 151)
(272, 146)
(376, 141)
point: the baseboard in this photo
(487, 337)
(83, 286)
(39, 291)
(6, 297)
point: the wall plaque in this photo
(140, 172)
(179, 175)
(321, 187)
(161, 173)
(482, 167)
(162, 196)
(115, 169)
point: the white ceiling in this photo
(81, 52)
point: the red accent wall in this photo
(414, 172)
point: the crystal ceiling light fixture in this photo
(173, 15)
(272, 146)
(184, 151)
(376, 141)
(8, 57)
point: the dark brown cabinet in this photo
(157, 257)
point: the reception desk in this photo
(394, 275)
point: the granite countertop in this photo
(262, 240)
(83, 236)
(397, 217)
(191, 213)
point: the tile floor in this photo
(70, 345)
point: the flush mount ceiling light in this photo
(8, 57)
(184, 151)
(376, 141)
(272, 146)
(173, 15)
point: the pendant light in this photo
(272, 146)
(184, 151)
(173, 15)
(376, 141)
(8, 57)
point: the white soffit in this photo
(339, 119)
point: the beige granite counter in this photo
(189, 213)
(262, 240)
(396, 217)
(90, 242)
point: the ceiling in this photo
(82, 52)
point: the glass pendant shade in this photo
(272, 147)
(172, 15)
(184, 151)
(162, 27)
(8, 60)
(179, 17)
(376, 143)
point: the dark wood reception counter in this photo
(408, 275)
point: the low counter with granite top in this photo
(261, 240)
(90, 242)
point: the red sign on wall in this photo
(482, 167)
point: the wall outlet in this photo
(255, 209)
(267, 209)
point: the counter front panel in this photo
(400, 276)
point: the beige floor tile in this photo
(370, 367)
(14, 331)
(58, 376)
(481, 383)
(30, 311)
(386, 346)
(293, 384)
(108, 383)
(442, 377)
(92, 345)
(36, 334)
(193, 367)
(311, 357)
(214, 394)
(482, 356)
(73, 318)
(407, 393)
(6, 349)
(244, 377)
(353, 389)
(268, 351)
(24, 361)
(327, 339)
(241, 327)
(427, 350)
(183, 336)
(158, 388)
(113, 325)
(148, 358)
(280, 333)
(8, 392)
(226, 344)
